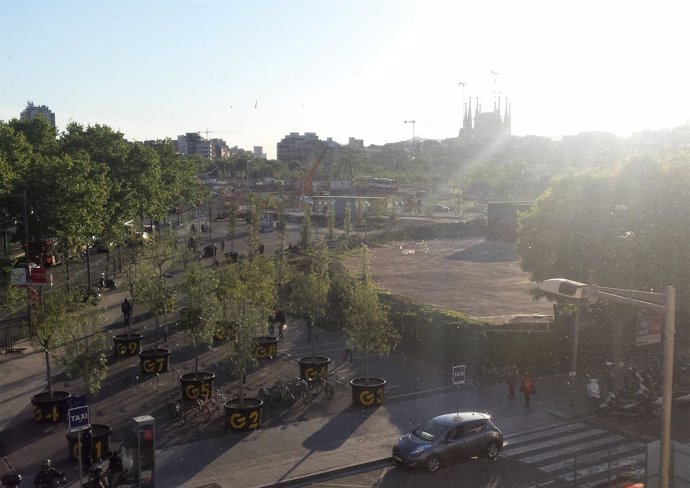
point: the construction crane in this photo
(207, 132)
(307, 186)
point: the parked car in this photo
(438, 207)
(448, 437)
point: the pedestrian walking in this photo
(126, 310)
(272, 323)
(512, 379)
(222, 245)
(114, 469)
(85, 450)
(527, 387)
(348, 352)
(280, 320)
(310, 327)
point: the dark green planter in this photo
(266, 347)
(127, 345)
(242, 416)
(368, 392)
(154, 360)
(101, 442)
(311, 366)
(197, 385)
(51, 409)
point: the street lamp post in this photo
(413, 122)
(664, 302)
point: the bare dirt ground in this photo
(477, 277)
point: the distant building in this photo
(259, 152)
(32, 111)
(303, 148)
(193, 143)
(486, 125)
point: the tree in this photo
(608, 228)
(366, 324)
(50, 319)
(202, 307)
(305, 236)
(247, 292)
(232, 226)
(85, 352)
(347, 221)
(330, 222)
(157, 294)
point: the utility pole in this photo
(413, 122)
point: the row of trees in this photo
(86, 182)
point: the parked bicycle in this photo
(175, 410)
(319, 385)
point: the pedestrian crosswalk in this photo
(576, 454)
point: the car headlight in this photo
(420, 449)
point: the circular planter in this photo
(368, 392)
(51, 409)
(311, 366)
(195, 385)
(266, 347)
(241, 416)
(101, 442)
(127, 345)
(154, 360)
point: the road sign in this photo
(78, 418)
(459, 375)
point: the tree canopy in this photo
(626, 228)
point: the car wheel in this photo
(432, 464)
(491, 450)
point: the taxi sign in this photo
(78, 418)
(459, 375)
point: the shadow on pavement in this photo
(338, 429)
(487, 252)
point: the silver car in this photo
(449, 437)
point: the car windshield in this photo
(430, 431)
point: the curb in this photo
(332, 473)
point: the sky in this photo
(251, 72)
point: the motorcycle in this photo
(106, 283)
(97, 478)
(593, 392)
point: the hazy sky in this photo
(253, 71)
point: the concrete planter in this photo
(368, 392)
(197, 385)
(51, 409)
(243, 415)
(266, 347)
(154, 360)
(311, 366)
(127, 345)
(101, 442)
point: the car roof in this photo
(460, 417)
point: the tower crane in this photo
(307, 186)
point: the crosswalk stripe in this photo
(531, 434)
(603, 467)
(552, 442)
(575, 451)
(569, 450)
(592, 457)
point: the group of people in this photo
(49, 477)
(527, 386)
(277, 318)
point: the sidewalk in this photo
(292, 443)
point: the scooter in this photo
(612, 405)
